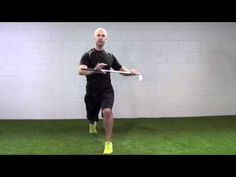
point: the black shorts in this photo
(94, 104)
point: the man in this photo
(99, 91)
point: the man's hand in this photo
(134, 72)
(99, 66)
(131, 72)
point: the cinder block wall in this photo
(189, 69)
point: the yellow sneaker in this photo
(92, 128)
(108, 148)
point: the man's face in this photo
(100, 37)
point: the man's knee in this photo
(107, 112)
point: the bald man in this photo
(99, 91)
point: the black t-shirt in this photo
(98, 82)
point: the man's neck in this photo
(99, 48)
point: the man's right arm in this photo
(84, 65)
(97, 69)
(84, 72)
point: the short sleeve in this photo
(115, 65)
(84, 59)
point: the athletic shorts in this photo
(94, 104)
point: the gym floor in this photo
(142, 136)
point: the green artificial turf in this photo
(145, 136)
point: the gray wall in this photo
(188, 68)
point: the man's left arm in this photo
(117, 66)
(132, 71)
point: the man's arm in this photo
(98, 67)
(84, 72)
(132, 71)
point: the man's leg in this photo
(108, 125)
(93, 108)
(107, 104)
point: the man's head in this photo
(100, 37)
